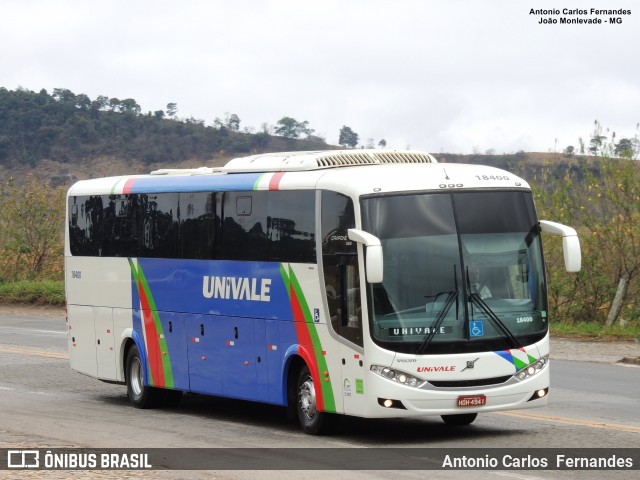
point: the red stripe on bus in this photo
(274, 183)
(153, 346)
(306, 346)
(128, 186)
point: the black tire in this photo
(311, 420)
(140, 395)
(460, 419)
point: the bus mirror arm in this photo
(373, 255)
(570, 243)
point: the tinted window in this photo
(404, 216)
(272, 226)
(513, 212)
(259, 226)
(291, 226)
(337, 217)
(157, 220)
(244, 226)
(122, 226)
(85, 225)
(200, 225)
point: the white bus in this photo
(371, 283)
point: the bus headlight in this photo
(397, 376)
(533, 368)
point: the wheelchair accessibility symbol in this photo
(476, 328)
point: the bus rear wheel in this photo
(140, 395)
(460, 419)
(311, 420)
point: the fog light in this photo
(538, 394)
(389, 403)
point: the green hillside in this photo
(63, 134)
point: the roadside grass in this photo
(41, 292)
(587, 330)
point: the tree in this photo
(233, 122)
(348, 138)
(624, 148)
(31, 216)
(172, 109)
(612, 215)
(597, 140)
(218, 124)
(569, 151)
(382, 143)
(100, 103)
(63, 95)
(114, 104)
(129, 105)
(290, 128)
(581, 144)
(83, 102)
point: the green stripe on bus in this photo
(327, 389)
(165, 359)
(113, 189)
(255, 184)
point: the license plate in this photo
(471, 400)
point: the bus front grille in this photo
(480, 382)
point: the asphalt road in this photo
(45, 404)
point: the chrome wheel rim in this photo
(135, 372)
(307, 399)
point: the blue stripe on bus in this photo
(195, 183)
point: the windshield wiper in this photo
(482, 305)
(452, 296)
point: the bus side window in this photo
(340, 265)
(200, 225)
(351, 319)
(243, 226)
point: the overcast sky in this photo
(437, 75)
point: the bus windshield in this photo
(463, 272)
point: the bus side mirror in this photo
(570, 244)
(374, 253)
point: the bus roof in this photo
(353, 172)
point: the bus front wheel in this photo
(140, 395)
(460, 419)
(311, 420)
